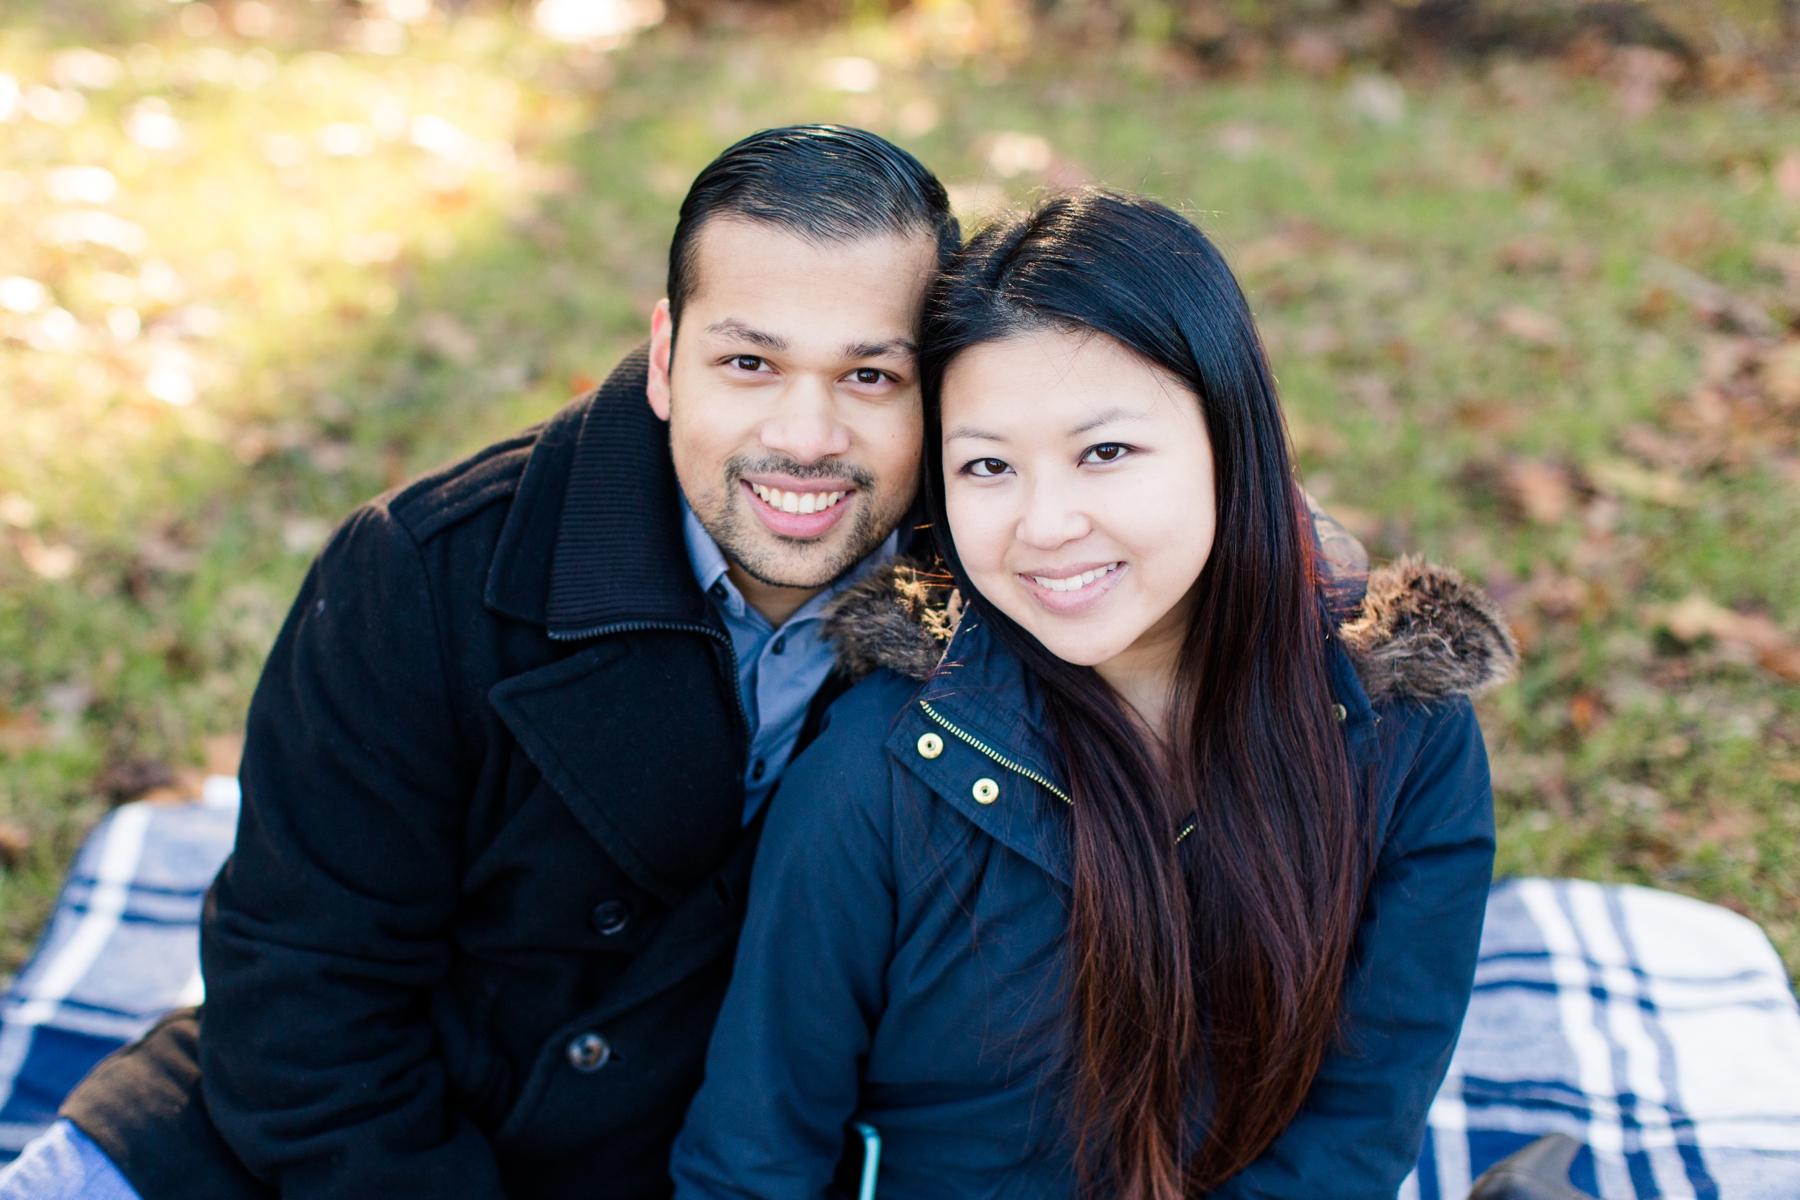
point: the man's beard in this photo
(745, 540)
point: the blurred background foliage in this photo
(1529, 271)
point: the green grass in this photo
(347, 319)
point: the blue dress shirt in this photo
(779, 670)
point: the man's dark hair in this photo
(826, 183)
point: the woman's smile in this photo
(1066, 591)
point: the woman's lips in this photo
(772, 504)
(1091, 586)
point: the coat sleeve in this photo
(782, 1074)
(1413, 967)
(327, 928)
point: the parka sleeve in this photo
(1413, 968)
(782, 1073)
(327, 927)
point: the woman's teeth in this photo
(1075, 582)
(797, 502)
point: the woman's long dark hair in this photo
(1205, 975)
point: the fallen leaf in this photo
(446, 337)
(1532, 252)
(1530, 326)
(1630, 481)
(129, 778)
(14, 842)
(1787, 175)
(21, 730)
(1781, 374)
(1543, 491)
(1699, 617)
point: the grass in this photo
(1501, 313)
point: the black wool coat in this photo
(491, 865)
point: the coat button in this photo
(1340, 712)
(610, 917)
(986, 791)
(930, 745)
(588, 1052)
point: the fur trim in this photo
(1423, 632)
(1427, 633)
(900, 617)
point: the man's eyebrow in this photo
(898, 348)
(1103, 418)
(737, 329)
(971, 431)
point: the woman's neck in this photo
(1143, 674)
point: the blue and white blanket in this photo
(1658, 1031)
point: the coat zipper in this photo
(1010, 765)
(737, 698)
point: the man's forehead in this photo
(762, 279)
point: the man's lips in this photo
(799, 510)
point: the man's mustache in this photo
(737, 468)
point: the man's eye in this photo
(747, 362)
(987, 468)
(868, 375)
(1106, 453)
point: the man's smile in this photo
(804, 509)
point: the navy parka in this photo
(903, 958)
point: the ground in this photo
(1528, 319)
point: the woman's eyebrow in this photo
(1104, 418)
(970, 431)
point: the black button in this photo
(718, 589)
(779, 646)
(610, 917)
(588, 1052)
(756, 772)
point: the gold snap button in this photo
(930, 745)
(986, 791)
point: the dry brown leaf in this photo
(1531, 252)
(1627, 480)
(21, 731)
(1543, 491)
(1699, 617)
(1787, 175)
(14, 842)
(1530, 326)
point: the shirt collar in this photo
(710, 567)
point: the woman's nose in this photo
(1051, 519)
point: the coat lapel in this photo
(637, 728)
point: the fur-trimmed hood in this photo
(1423, 632)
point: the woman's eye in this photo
(747, 362)
(1109, 452)
(987, 468)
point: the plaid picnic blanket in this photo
(120, 950)
(1658, 1031)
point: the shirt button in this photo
(986, 791)
(930, 745)
(588, 1052)
(756, 772)
(610, 917)
(718, 590)
(779, 646)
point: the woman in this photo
(1163, 882)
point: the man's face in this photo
(793, 395)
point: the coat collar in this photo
(594, 539)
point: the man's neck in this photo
(774, 602)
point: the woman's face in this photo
(1079, 483)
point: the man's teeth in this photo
(797, 502)
(1075, 582)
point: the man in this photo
(508, 760)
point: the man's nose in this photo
(806, 426)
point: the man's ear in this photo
(662, 346)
